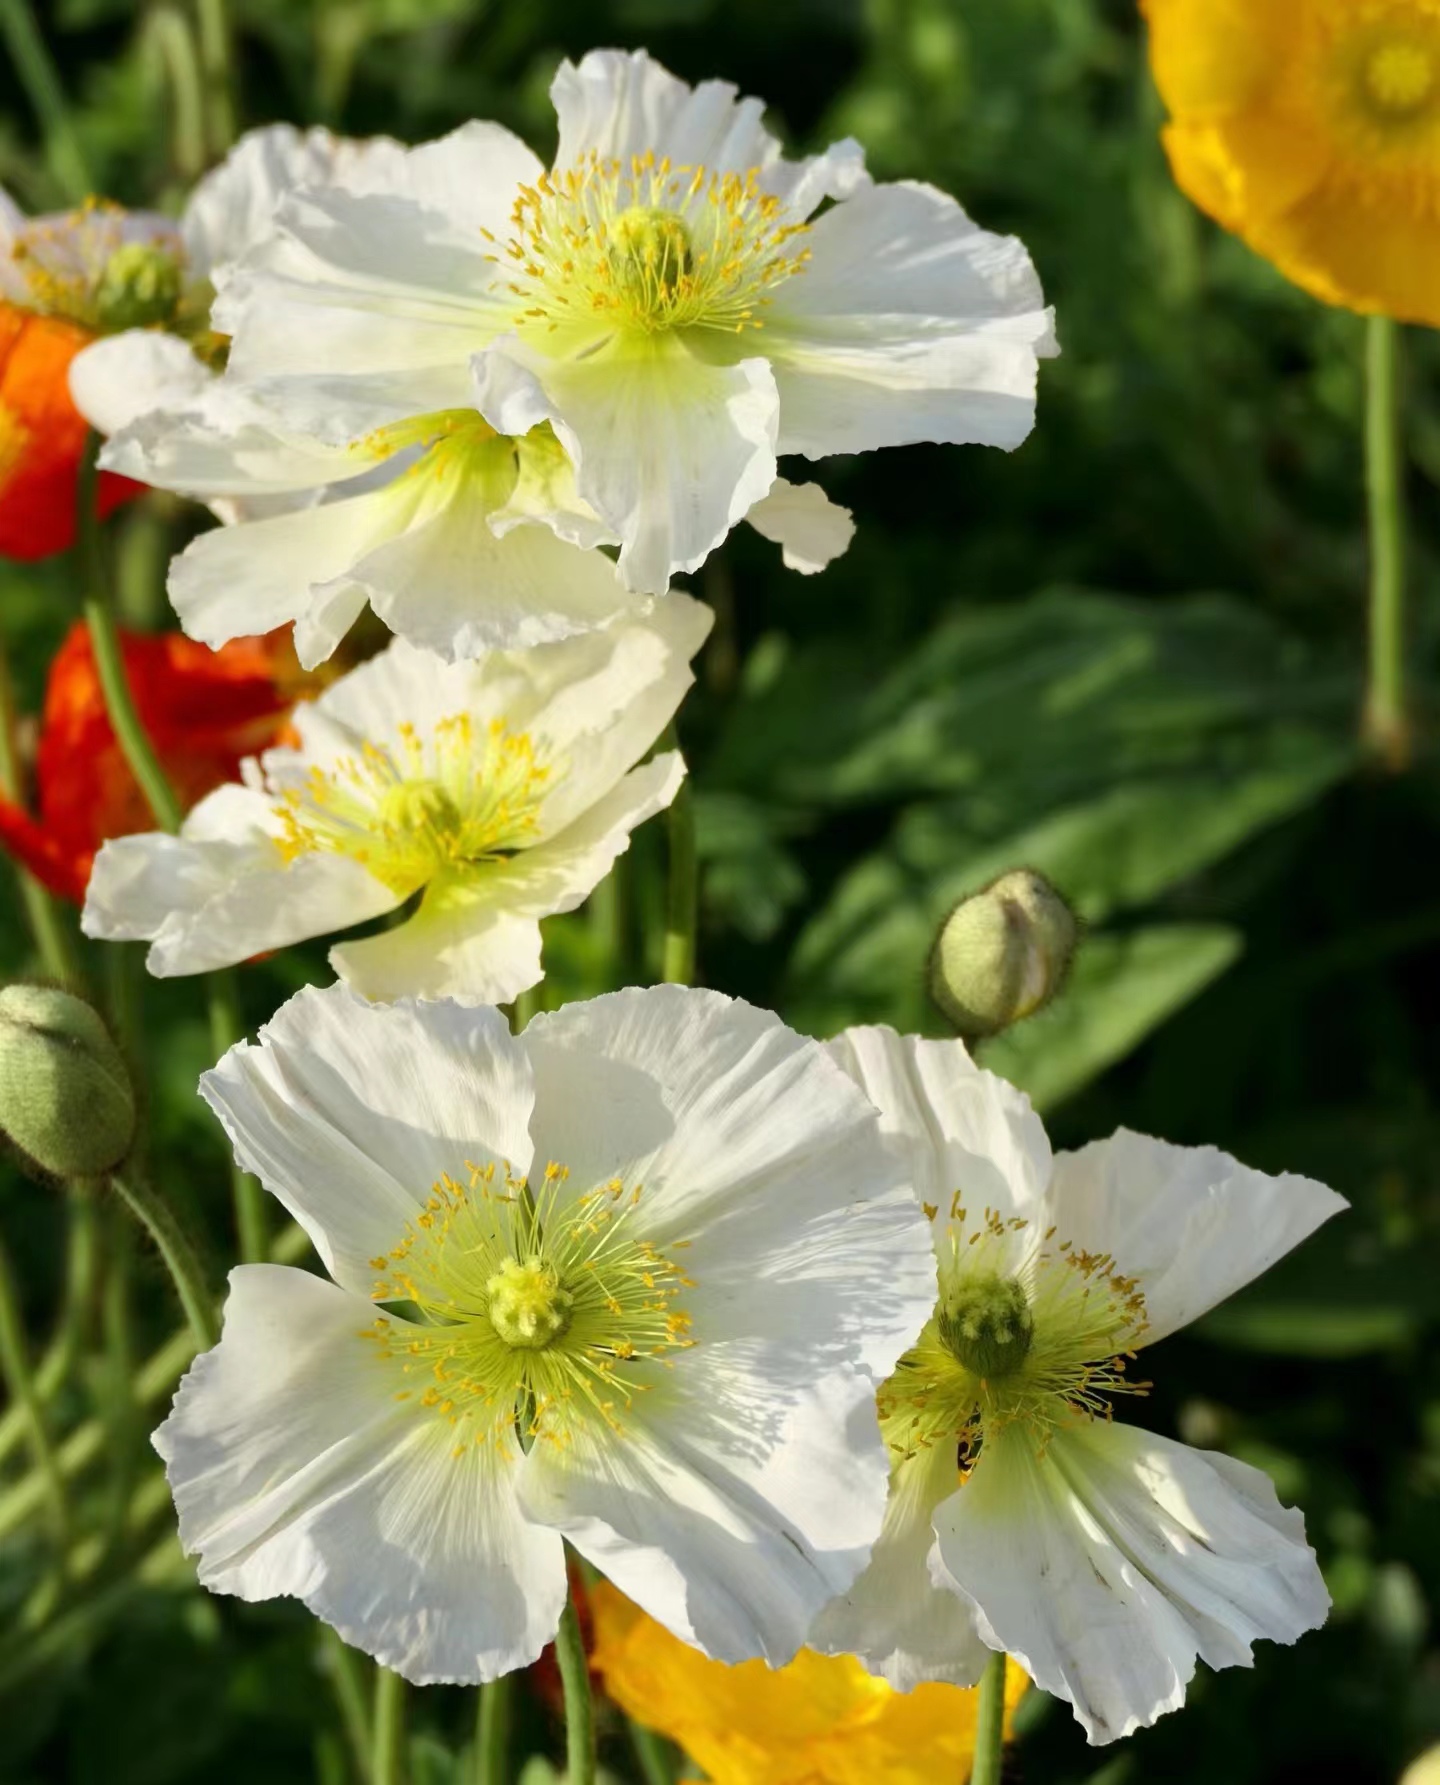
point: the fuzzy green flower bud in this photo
(1002, 954)
(66, 1101)
(139, 287)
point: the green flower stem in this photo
(99, 612)
(36, 69)
(990, 1725)
(345, 1670)
(225, 1025)
(155, 1216)
(655, 1755)
(1386, 724)
(678, 961)
(492, 1732)
(155, 1378)
(47, 926)
(226, 1028)
(388, 1742)
(167, 28)
(216, 66)
(24, 1393)
(82, 1256)
(579, 1705)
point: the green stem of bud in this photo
(990, 1725)
(1386, 724)
(155, 1217)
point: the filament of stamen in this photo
(533, 1309)
(647, 246)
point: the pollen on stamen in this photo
(650, 247)
(529, 1320)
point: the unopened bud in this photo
(1002, 954)
(139, 287)
(66, 1100)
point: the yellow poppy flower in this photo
(822, 1720)
(1311, 128)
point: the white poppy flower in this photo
(639, 1270)
(1104, 1558)
(500, 789)
(670, 302)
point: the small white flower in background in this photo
(501, 788)
(653, 1257)
(1104, 1558)
(165, 354)
(99, 265)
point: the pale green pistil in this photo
(529, 1306)
(986, 1324)
(139, 288)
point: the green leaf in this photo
(1121, 989)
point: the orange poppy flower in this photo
(204, 710)
(42, 436)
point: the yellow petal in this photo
(1214, 56)
(822, 1720)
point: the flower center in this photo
(530, 1308)
(986, 1324)
(1027, 1331)
(1399, 77)
(138, 287)
(529, 1305)
(406, 812)
(645, 247)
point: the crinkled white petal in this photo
(447, 582)
(908, 323)
(669, 451)
(902, 1626)
(961, 1128)
(618, 104)
(121, 377)
(810, 529)
(224, 440)
(233, 206)
(1113, 1560)
(264, 573)
(207, 902)
(351, 1112)
(359, 283)
(755, 1150)
(477, 939)
(1193, 1224)
(296, 1471)
(420, 549)
(730, 1507)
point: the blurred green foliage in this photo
(1128, 655)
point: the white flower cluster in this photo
(797, 1343)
